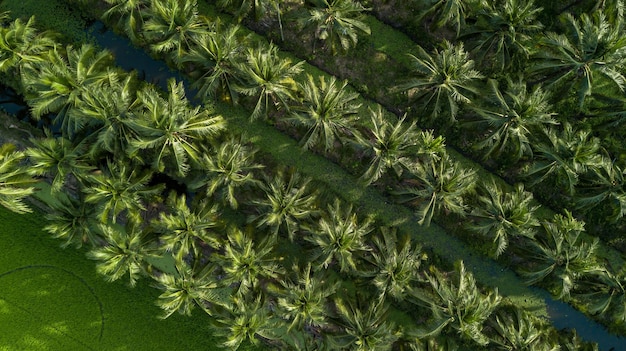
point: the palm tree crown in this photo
(59, 84)
(289, 199)
(594, 49)
(216, 57)
(338, 237)
(396, 264)
(328, 112)
(503, 33)
(458, 303)
(565, 157)
(185, 229)
(130, 13)
(172, 128)
(394, 146)
(513, 115)
(337, 22)
(562, 255)
(304, 298)
(439, 186)
(13, 180)
(270, 77)
(126, 252)
(230, 168)
(444, 81)
(502, 215)
(21, 44)
(187, 289)
(173, 26)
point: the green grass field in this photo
(52, 299)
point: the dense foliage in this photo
(255, 247)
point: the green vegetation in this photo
(142, 145)
(51, 299)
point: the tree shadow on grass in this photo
(47, 307)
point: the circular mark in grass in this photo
(35, 291)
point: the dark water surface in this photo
(564, 316)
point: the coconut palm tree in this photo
(306, 341)
(504, 214)
(328, 112)
(125, 253)
(215, 57)
(588, 59)
(339, 236)
(510, 117)
(603, 190)
(121, 188)
(457, 302)
(129, 14)
(268, 77)
(243, 8)
(502, 36)
(613, 9)
(75, 221)
(229, 168)
(448, 12)
(58, 157)
(249, 319)
(441, 343)
(188, 288)
(59, 85)
(183, 229)
(260, 9)
(516, 329)
(443, 82)
(395, 264)
(565, 157)
(173, 26)
(14, 180)
(108, 115)
(337, 22)
(561, 256)
(394, 146)
(247, 260)
(21, 44)
(605, 294)
(570, 341)
(172, 129)
(439, 186)
(365, 328)
(288, 200)
(303, 298)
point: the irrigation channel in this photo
(128, 57)
(562, 315)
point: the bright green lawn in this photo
(52, 299)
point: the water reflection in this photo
(564, 316)
(131, 58)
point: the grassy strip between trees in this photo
(52, 299)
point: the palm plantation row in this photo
(575, 69)
(524, 224)
(511, 103)
(113, 142)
